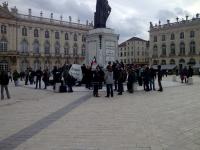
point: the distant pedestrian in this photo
(109, 81)
(4, 81)
(16, 76)
(160, 74)
(95, 81)
(38, 75)
(45, 78)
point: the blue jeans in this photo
(152, 84)
(109, 88)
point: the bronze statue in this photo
(102, 13)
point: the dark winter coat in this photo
(4, 78)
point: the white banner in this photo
(76, 72)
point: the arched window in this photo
(164, 50)
(47, 34)
(182, 61)
(36, 47)
(57, 63)
(155, 50)
(3, 29)
(163, 62)
(75, 37)
(172, 62)
(66, 49)
(182, 48)
(37, 64)
(57, 35)
(182, 35)
(24, 65)
(83, 49)
(83, 38)
(66, 36)
(173, 49)
(192, 61)
(24, 46)
(57, 48)
(3, 45)
(172, 36)
(75, 50)
(47, 64)
(155, 62)
(192, 34)
(24, 31)
(36, 33)
(192, 48)
(47, 47)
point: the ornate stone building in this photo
(29, 41)
(176, 43)
(134, 51)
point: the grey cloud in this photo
(129, 27)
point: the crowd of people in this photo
(114, 75)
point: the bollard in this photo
(190, 80)
(174, 78)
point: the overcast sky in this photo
(128, 17)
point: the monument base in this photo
(102, 44)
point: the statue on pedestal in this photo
(102, 13)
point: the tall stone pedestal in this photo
(102, 43)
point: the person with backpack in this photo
(4, 81)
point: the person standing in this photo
(4, 81)
(16, 77)
(45, 78)
(38, 74)
(121, 79)
(96, 80)
(131, 80)
(152, 76)
(109, 81)
(160, 78)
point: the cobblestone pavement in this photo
(43, 120)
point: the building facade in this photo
(134, 51)
(29, 41)
(175, 43)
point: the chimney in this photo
(29, 12)
(61, 17)
(86, 22)
(159, 23)
(51, 15)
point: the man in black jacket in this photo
(4, 80)
(38, 74)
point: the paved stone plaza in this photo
(43, 120)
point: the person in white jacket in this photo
(109, 81)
